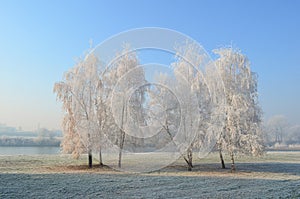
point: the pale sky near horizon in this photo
(39, 41)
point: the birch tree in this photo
(188, 71)
(242, 129)
(78, 93)
(125, 77)
(276, 126)
(293, 135)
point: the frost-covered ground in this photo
(85, 185)
(276, 175)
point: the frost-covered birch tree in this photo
(242, 129)
(125, 77)
(293, 135)
(188, 71)
(277, 125)
(78, 93)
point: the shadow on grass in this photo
(286, 168)
(272, 167)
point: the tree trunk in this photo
(232, 163)
(121, 147)
(189, 159)
(89, 148)
(100, 158)
(122, 136)
(90, 156)
(222, 159)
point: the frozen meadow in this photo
(275, 175)
(122, 120)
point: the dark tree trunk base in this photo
(90, 160)
(232, 164)
(100, 158)
(189, 160)
(222, 160)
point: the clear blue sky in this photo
(40, 39)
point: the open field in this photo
(275, 175)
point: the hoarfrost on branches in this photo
(203, 102)
(242, 130)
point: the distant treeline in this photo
(21, 141)
(19, 133)
(40, 132)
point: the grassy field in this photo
(275, 175)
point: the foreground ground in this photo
(276, 175)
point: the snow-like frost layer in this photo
(141, 186)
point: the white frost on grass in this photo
(275, 175)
